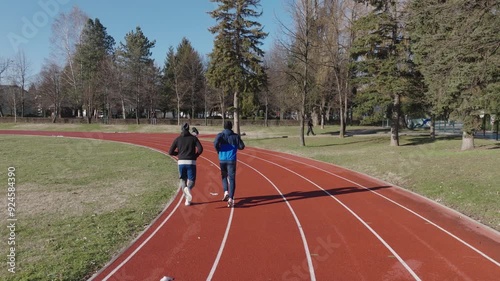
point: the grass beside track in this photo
(467, 181)
(81, 201)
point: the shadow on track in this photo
(255, 201)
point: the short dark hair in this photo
(228, 125)
(185, 127)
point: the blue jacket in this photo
(227, 144)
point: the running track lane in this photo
(299, 219)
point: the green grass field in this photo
(82, 201)
(79, 202)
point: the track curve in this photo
(298, 219)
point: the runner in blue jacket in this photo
(227, 144)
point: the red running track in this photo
(299, 219)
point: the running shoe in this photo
(187, 194)
(230, 203)
(226, 196)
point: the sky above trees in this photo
(27, 24)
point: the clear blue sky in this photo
(165, 21)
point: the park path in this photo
(298, 219)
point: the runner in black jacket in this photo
(187, 148)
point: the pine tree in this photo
(184, 77)
(135, 56)
(170, 92)
(456, 45)
(385, 73)
(91, 53)
(236, 59)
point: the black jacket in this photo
(186, 147)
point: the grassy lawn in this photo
(467, 181)
(81, 201)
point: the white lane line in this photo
(221, 249)
(408, 268)
(163, 222)
(399, 205)
(144, 242)
(223, 244)
(224, 239)
(297, 221)
(154, 232)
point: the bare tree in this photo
(299, 45)
(20, 77)
(66, 35)
(337, 35)
(4, 65)
(49, 89)
(280, 95)
(152, 85)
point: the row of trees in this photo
(378, 59)
(362, 59)
(17, 71)
(92, 76)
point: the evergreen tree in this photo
(236, 59)
(95, 47)
(184, 76)
(170, 93)
(383, 65)
(192, 74)
(135, 56)
(456, 45)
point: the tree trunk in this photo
(433, 128)
(22, 104)
(124, 114)
(236, 124)
(327, 113)
(322, 113)
(54, 114)
(302, 112)
(266, 124)
(15, 109)
(346, 93)
(302, 120)
(467, 141)
(89, 114)
(178, 112)
(497, 122)
(341, 116)
(395, 121)
(137, 113)
(223, 107)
